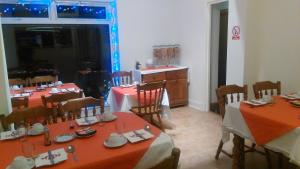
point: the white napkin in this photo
(12, 134)
(58, 156)
(87, 121)
(138, 135)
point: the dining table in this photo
(91, 152)
(35, 96)
(275, 125)
(124, 98)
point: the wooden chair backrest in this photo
(38, 80)
(262, 88)
(150, 97)
(28, 116)
(73, 107)
(19, 102)
(17, 81)
(230, 90)
(53, 100)
(121, 78)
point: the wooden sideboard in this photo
(177, 84)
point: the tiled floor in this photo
(198, 134)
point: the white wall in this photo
(142, 24)
(237, 16)
(276, 55)
(191, 19)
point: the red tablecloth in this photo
(91, 152)
(35, 99)
(270, 121)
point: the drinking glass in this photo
(28, 148)
(120, 127)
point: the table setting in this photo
(83, 146)
(274, 124)
(34, 93)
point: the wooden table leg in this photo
(238, 155)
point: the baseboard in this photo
(198, 105)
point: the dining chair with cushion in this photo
(121, 78)
(266, 88)
(28, 116)
(149, 97)
(19, 102)
(39, 80)
(52, 101)
(73, 107)
(18, 81)
(232, 94)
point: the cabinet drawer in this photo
(154, 77)
(177, 74)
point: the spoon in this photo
(71, 149)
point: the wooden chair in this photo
(19, 102)
(121, 78)
(222, 96)
(38, 80)
(18, 82)
(73, 107)
(28, 116)
(150, 97)
(52, 101)
(171, 162)
(266, 88)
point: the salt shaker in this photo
(47, 141)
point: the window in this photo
(89, 12)
(24, 10)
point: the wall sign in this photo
(236, 31)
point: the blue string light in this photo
(27, 10)
(113, 17)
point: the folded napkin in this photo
(138, 135)
(12, 134)
(87, 120)
(51, 157)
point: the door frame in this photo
(208, 47)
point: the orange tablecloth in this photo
(91, 152)
(35, 99)
(270, 121)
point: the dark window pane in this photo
(89, 12)
(24, 10)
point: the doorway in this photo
(218, 50)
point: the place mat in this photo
(8, 135)
(51, 157)
(138, 135)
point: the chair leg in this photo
(268, 157)
(219, 150)
(160, 123)
(280, 161)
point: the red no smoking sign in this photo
(236, 31)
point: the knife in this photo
(51, 157)
(139, 135)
